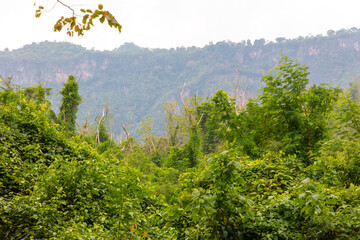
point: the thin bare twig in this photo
(307, 123)
(243, 95)
(182, 100)
(117, 135)
(127, 135)
(97, 140)
(80, 103)
(152, 142)
(199, 119)
(67, 6)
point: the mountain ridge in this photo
(136, 81)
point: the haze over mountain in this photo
(136, 81)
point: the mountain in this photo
(136, 81)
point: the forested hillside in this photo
(283, 165)
(135, 82)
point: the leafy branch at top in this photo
(77, 24)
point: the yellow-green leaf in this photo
(85, 18)
(102, 19)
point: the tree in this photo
(69, 104)
(145, 133)
(282, 100)
(295, 116)
(286, 116)
(175, 124)
(72, 22)
(259, 42)
(280, 39)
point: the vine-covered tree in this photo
(69, 104)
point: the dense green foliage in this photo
(283, 166)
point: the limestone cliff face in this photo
(27, 72)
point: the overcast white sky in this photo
(175, 23)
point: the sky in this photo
(177, 23)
